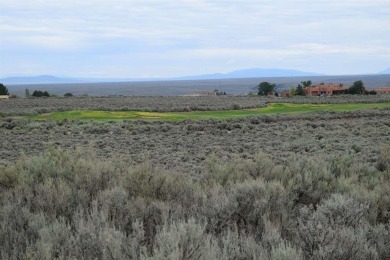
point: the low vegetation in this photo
(281, 186)
(35, 106)
(272, 108)
(68, 204)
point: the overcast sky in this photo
(150, 38)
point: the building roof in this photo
(328, 89)
(383, 90)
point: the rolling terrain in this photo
(308, 185)
(271, 109)
(238, 86)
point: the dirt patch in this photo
(46, 114)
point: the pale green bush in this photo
(224, 173)
(336, 230)
(238, 245)
(184, 240)
(284, 251)
(71, 205)
(19, 229)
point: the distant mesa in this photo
(387, 71)
(237, 74)
(42, 79)
(252, 73)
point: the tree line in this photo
(36, 93)
(3, 90)
(357, 88)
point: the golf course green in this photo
(271, 109)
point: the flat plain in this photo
(183, 87)
(306, 178)
(271, 109)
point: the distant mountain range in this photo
(237, 74)
(43, 79)
(385, 71)
(253, 73)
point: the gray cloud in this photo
(172, 38)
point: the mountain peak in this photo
(386, 71)
(237, 74)
(41, 79)
(271, 72)
(253, 73)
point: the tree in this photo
(306, 83)
(27, 93)
(3, 90)
(357, 88)
(265, 88)
(299, 91)
(38, 93)
(68, 95)
(292, 91)
(219, 93)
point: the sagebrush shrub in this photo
(73, 205)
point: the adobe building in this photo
(384, 90)
(284, 93)
(328, 90)
(271, 94)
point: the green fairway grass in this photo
(271, 109)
